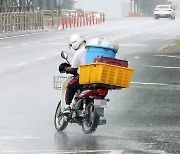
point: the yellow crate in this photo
(105, 74)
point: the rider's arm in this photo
(71, 70)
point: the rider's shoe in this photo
(102, 121)
(81, 113)
(67, 109)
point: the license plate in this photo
(100, 103)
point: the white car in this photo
(164, 11)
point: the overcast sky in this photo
(112, 8)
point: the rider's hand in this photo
(62, 67)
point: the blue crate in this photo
(93, 52)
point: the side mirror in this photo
(64, 55)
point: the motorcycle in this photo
(87, 107)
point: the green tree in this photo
(68, 4)
(44, 4)
(147, 6)
(52, 4)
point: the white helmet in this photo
(75, 41)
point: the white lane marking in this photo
(41, 58)
(20, 64)
(21, 35)
(62, 151)
(24, 44)
(136, 57)
(158, 84)
(57, 44)
(7, 47)
(8, 37)
(1, 38)
(13, 36)
(1, 70)
(161, 67)
(138, 33)
(49, 40)
(37, 42)
(138, 45)
(17, 137)
(116, 152)
(167, 56)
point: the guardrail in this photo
(78, 19)
(20, 21)
(23, 21)
(51, 17)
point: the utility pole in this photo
(23, 5)
(135, 7)
(131, 5)
(1, 6)
(139, 7)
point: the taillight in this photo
(102, 92)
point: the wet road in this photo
(144, 118)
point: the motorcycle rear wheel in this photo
(91, 119)
(59, 122)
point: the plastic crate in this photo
(93, 52)
(112, 61)
(102, 73)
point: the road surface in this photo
(144, 118)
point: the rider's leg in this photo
(69, 95)
(72, 87)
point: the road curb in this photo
(10, 34)
(178, 39)
(52, 29)
(165, 46)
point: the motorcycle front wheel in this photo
(91, 119)
(59, 121)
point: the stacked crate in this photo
(102, 68)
